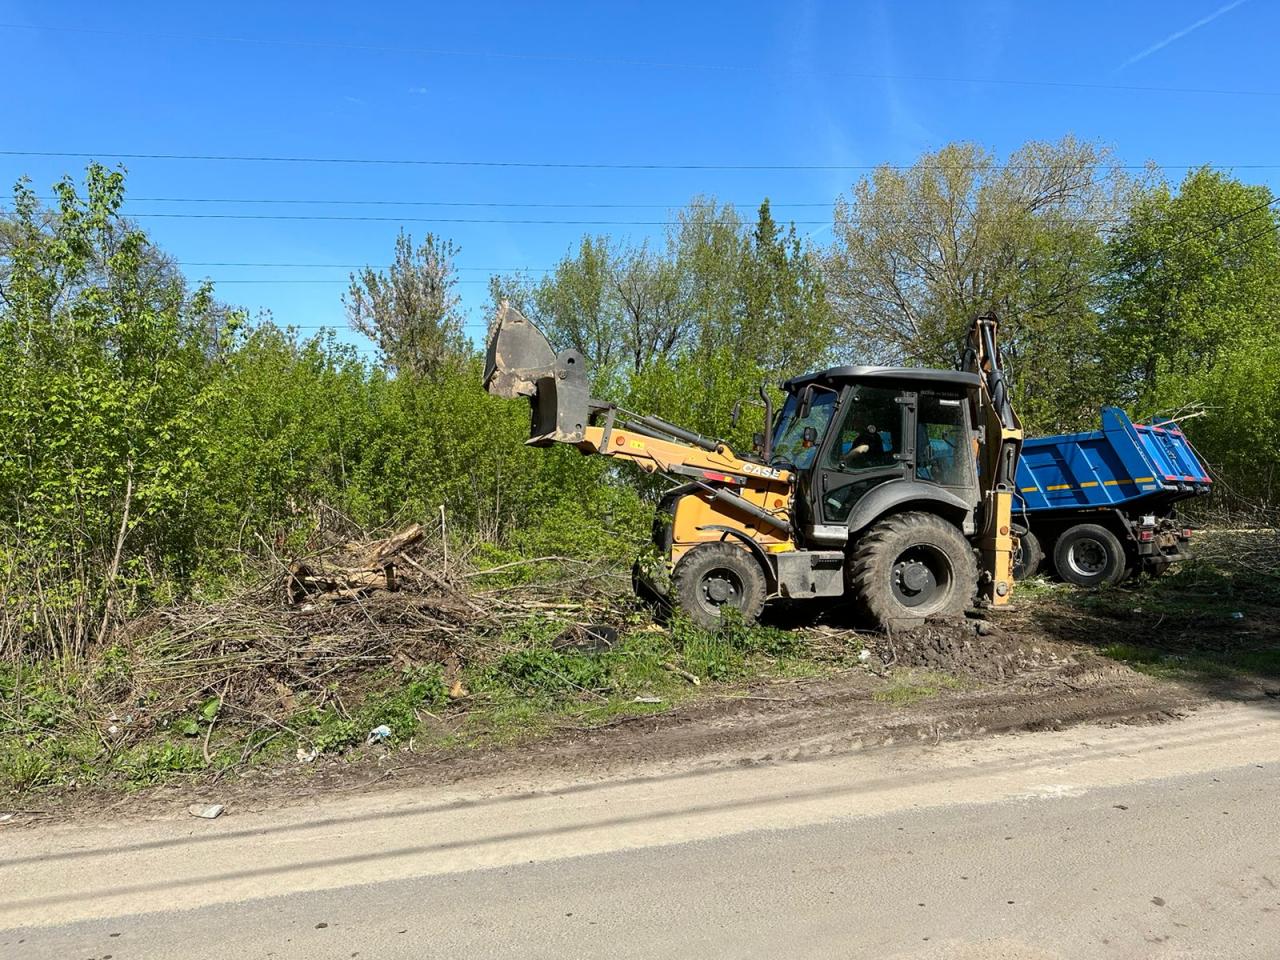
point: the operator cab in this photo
(863, 439)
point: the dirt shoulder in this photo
(252, 707)
(941, 682)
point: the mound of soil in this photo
(974, 647)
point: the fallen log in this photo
(371, 567)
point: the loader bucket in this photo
(519, 362)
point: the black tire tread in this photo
(685, 577)
(1119, 562)
(872, 557)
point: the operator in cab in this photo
(868, 447)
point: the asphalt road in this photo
(1122, 842)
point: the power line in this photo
(1204, 232)
(463, 203)
(753, 68)
(308, 280)
(1152, 258)
(519, 221)
(588, 165)
(494, 220)
(346, 266)
(684, 204)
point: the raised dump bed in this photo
(1101, 505)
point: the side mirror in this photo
(757, 442)
(806, 401)
(809, 436)
(736, 413)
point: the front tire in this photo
(713, 577)
(1089, 555)
(911, 566)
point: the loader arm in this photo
(519, 362)
(997, 460)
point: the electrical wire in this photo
(582, 165)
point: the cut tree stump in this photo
(367, 568)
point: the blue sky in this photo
(743, 83)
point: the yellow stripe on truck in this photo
(1028, 489)
(1059, 486)
(1089, 483)
(1143, 479)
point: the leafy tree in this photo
(411, 310)
(718, 290)
(785, 319)
(919, 251)
(104, 387)
(1193, 318)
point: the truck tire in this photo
(1028, 557)
(715, 576)
(1089, 555)
(911, 566)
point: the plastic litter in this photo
(206, 811)
(1237, 615)
(864, 655)
(378, 734)
(306, 756)
(647, 700)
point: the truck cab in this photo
(867, 441)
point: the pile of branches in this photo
(319, 623)
(1252, 548)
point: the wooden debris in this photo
(372, 567)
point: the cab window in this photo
(942, 447)
(870, 433)
(788, 438)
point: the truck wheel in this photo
(1028, 557)
(1089, 556)
(911, 566)
(715, 576)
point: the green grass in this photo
(911, 686)
(1260, 664)
(53, 720)
(1212, 618)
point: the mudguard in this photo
(894, 493)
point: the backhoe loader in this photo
(888, 485)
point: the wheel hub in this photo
(717, 589)
(1087, 558)
(915, 576)
(920, 577)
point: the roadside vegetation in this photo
(162, 450)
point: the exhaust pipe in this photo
(519, 362)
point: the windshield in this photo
(788, 434)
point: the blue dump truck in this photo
(1098, 507)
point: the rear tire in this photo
(911, 566)
(1089, 555)
(714, 576)
(1028, 557)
